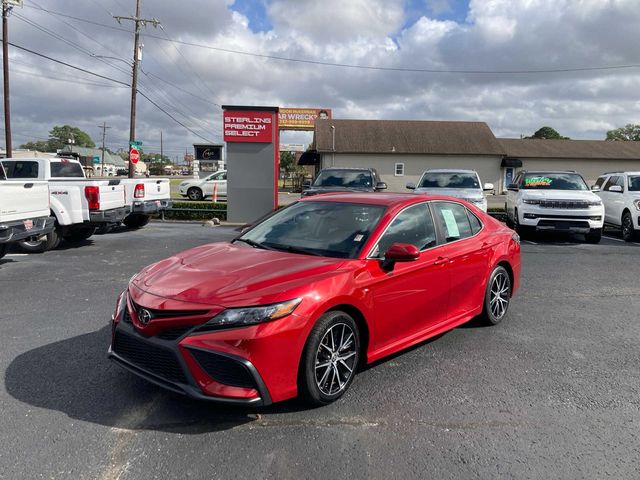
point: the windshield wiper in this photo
(291, 249)
(253, 244)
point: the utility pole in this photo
(161, 150)
(137, 56)
(104, 135)
(7, 5)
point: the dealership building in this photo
(401, 150)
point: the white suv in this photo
(620, 193)
(463, 184)
(554, 201)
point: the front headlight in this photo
(239, 317)
(637, 204)
(529, 201)
(595, 203)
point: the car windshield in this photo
(344, 178)
(554, 181)
(328, 229)
(449, 180)
(634, 183)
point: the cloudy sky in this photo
(515, 64)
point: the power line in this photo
(66, 80)
(369, 67)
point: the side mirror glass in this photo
(488, 186)
(615, 188)
(381, 186)
(513, 187)
(595, 188)
(411, 186)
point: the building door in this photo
(508, 176)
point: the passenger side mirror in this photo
(488, 187)
(595, 188)
(381, 186)
(399, 252)
(306, 184)
(411, 186)
(513, 187)
(615, 188)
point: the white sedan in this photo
(199, 189)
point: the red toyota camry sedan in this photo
(296, 304)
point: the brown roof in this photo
(578, 149)
(406, 136)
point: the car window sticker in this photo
(450, 221)
(538, 182)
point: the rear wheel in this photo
(594, 235)
(79, 233)
(329, 359)
(42, 244)
(194, 193)
(509, 221)
(628, 233)
(497, 296)
(136, 220)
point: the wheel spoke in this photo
(345, 365)
(346, 357)
(322, 365)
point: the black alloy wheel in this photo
(497, 296)
(628, 234)
(194, 193)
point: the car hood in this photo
(229, 275)
(559, 195)
(473, 193)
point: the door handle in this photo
(441, 261)
(28, 185)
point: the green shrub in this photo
(205, 211)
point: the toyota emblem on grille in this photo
(144, 316)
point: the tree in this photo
(59, 137)
(40, 146)
(288, 162)
(547, 133)
(629, 132)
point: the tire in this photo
(324, 376)
(509, 222)
(51, 242)
(3, 249)
(594, 235)
(194, 193)
(136, 220)
(628, 233)
(79, 234)
(497, 296)
(104, 228)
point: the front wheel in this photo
(497, 296)
(330, 359)
(594, 235)
(194, 193)
(628, 233)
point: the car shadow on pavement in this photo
(75, 377)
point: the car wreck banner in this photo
(301, 118)
(247, 126)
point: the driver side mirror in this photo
(513, 187)
(399, 252)
(488, 187)
(595, 188)
(381, 186)
(411, 186)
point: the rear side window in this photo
(614, 180)
(66, 169)
(413, 225)
(600, 181)
(21, 169)
(453, 220)
(476, 225)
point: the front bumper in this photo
(115, 215)
(561, 220)
(21, 229)
(150, 206)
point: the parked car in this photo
(296, 304)
(554, 201)
(200, 189)
(620, 194)
(24, 210)
(145, 197)
(344, 180)
(464, 184)
(79, 205)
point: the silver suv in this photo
(463, 184)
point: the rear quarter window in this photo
(66, 169)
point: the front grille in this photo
(173, 334)
(170, 313)
(224, 369)
(156, 360)
(565, 204)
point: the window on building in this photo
(399, 171)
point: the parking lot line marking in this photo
(613, 238)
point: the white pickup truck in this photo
(145, 197)
(24, 210)
(78, 204)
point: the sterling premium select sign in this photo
(247, 126)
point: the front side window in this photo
(600, 181)
(614, 180)
(413, 225)
(453, 220)
(344, 178)
(21, 169)
(329, 229)
(553, 181)
(634, 183)
(218, 176)
(66, 170)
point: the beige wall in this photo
(589, 169)
(487, 167)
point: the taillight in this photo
(139, 191)
(93, 197)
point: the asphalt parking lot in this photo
(552, 392)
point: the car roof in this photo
(450, 170)
(346, 168)
(376, 198)
(620, 173)
(550, 171)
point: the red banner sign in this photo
(246, 126)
